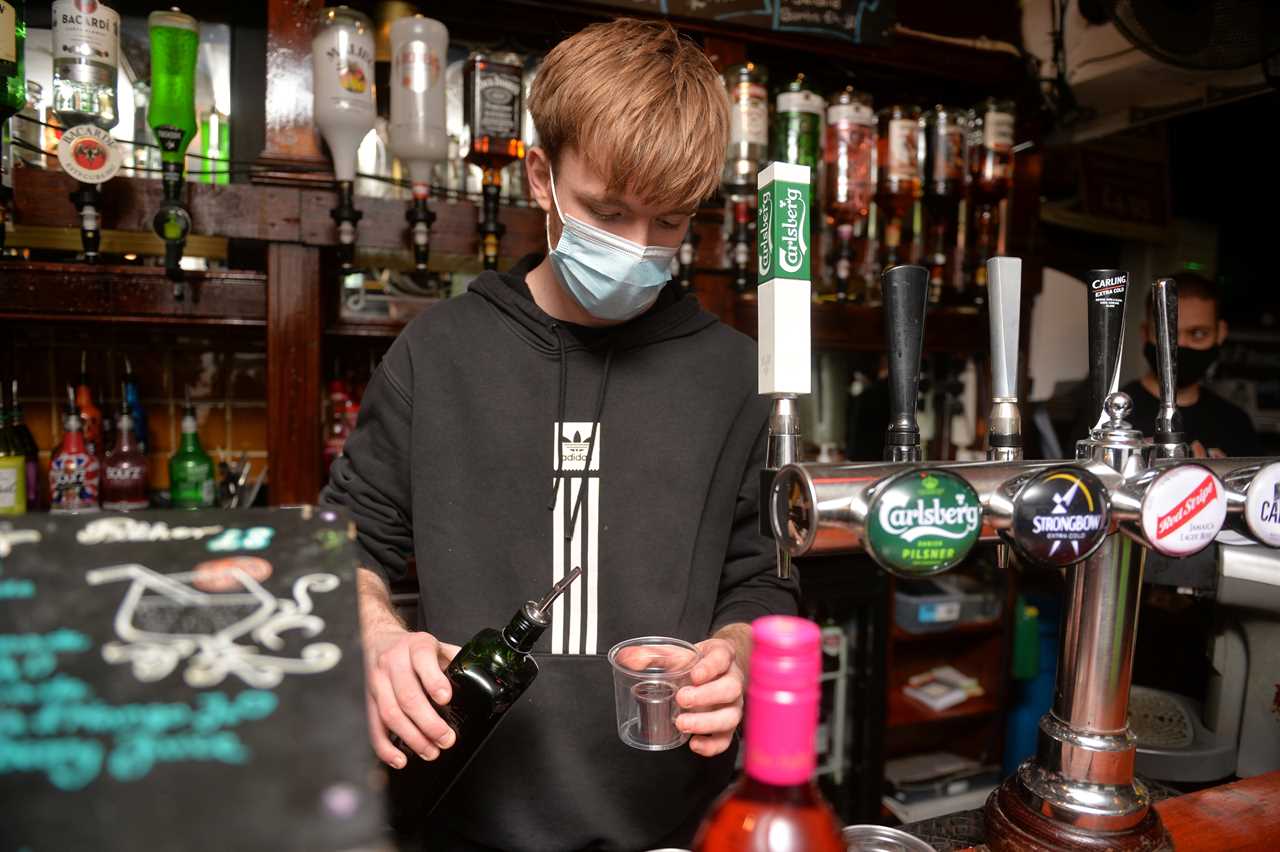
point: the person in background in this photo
(1213, 426)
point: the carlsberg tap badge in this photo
(782, 226)
(922, 522)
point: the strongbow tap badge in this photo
(1059, 517)
(923, 522)
(1183, 510)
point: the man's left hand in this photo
(712, 707)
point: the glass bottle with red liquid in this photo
(776, 806)
(74, 472)
(124, 482)
(899, 160)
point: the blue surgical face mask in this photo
(610, 276)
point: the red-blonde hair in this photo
(644, 107)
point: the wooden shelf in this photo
(130, 294)
(903, 712)
(973, 628)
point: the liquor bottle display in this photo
(13, 466)
(776, 805)
(342, 58)
(171, 115)
(13, 97)
(191, 484)
(74, 472)
(488, 676)
(797, 129)
(416, 133)
(945, 173)
(493, 104)
(849, 156)
(900, 152)
(124, 481)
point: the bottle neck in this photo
(524, 629)
(190, 442)
(126, 442)
(72, 436)
(780, 728)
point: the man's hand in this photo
(1198, 451)
(712, 708)
(401, 668)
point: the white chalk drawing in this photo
(206, 628)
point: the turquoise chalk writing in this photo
(69, 763)
(62, 641)
(135, 757)
(17, 590)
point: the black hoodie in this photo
(457, 460)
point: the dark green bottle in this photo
(488, 676)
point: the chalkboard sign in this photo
(857, 21)
(183, 681)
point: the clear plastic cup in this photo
(647, 674)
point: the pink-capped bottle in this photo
(776, 806)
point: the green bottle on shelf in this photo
(191, 484)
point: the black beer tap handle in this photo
(1108, 289)
(1168, 435)
(904, 289)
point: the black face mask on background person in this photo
(1193, 364)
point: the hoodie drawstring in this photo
(591, 439)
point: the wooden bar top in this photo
(1239, 817)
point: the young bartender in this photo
(574, 411)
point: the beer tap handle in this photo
(905, 289)
(1169, 440)
(1004, 284)
(1108, 289)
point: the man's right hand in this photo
(402, 668)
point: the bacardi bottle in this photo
(86, 56)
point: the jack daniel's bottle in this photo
(488, 676)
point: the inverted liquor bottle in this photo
(945, 172)
(849, 182)
(493, 110)
(775, 805)
(991, 176)
(86, 49)
(487, 676)
(748, 146)
(172, 117)
(13, 97)
(898, 189)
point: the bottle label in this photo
(949, 154)
(417, 66)
(997, 131)
(170, 138)
(851, 114)
(904, 149)
(73, 482)
(89, 154)
(8, 33)
(13, 485)
(1059, 517)
(749, 117)
(85, 29)
(497, 109)
(803, 101)
(1262, 505)
(923, 521)
(192, 486)
(346, 80)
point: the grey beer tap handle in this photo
(1169, 440)
(904, 289)
(1004, 286)
(1108, 289)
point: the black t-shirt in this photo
(1213, 421)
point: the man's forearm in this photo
(376, 610)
